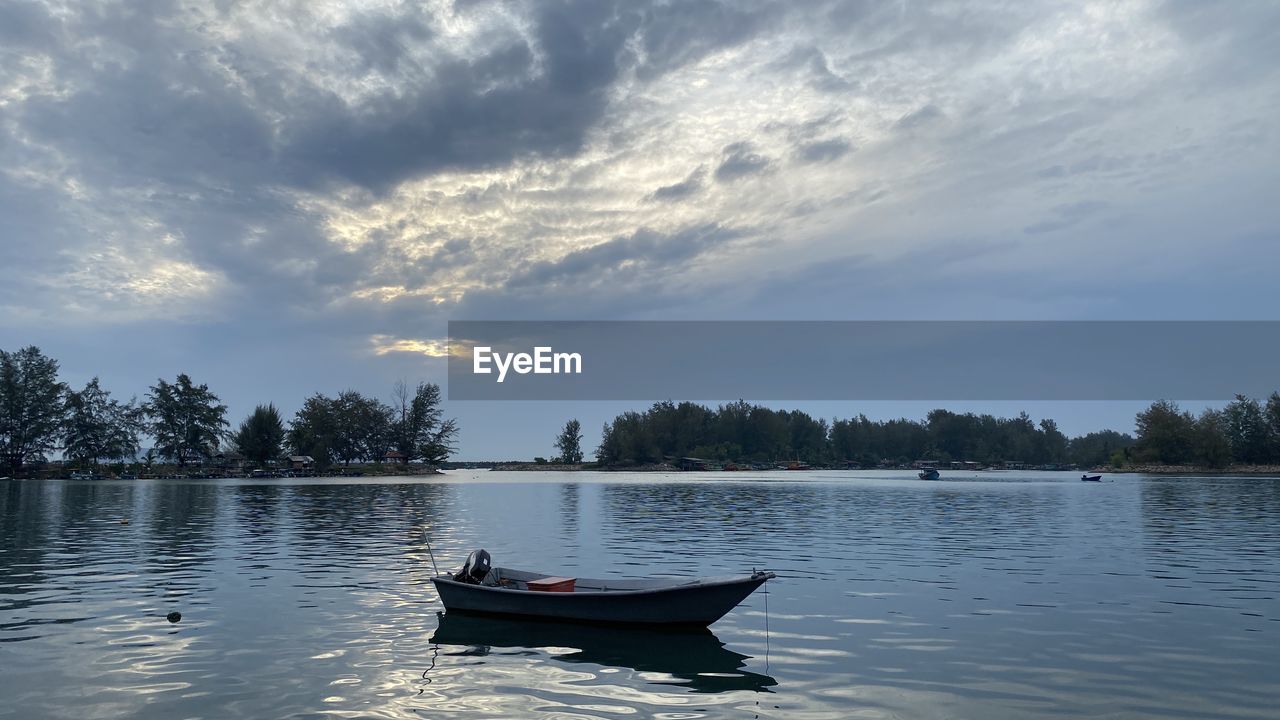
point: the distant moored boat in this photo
(1090, 478)
(930, 474)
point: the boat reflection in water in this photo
(695, 659)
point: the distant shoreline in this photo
(1172, 470)
(1260, 470)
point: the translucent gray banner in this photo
(855, 360)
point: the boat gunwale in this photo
(696, 583)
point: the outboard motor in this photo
(476, 568)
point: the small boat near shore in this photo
(689, 602)
(929, 474)
(1090, 478)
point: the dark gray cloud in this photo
(816, 69)
(381, 42)
(679, 33)
(691, 185)
(25, 23)
(739, 160)
(168, 111)
(641, 252)
(473, 113)
(824, 150)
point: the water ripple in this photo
(1034, 596)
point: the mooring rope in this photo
(766, 632)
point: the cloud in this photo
(516, 98)
(1235, 44)
(677, 34)
(640, 252)
(919, 118)
(268, 171)
(691, 185)
(233, 185)
(824, 150)
(25, 25)
(816, 68)
(739, 160)
(1065, 216)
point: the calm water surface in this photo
(996, 595)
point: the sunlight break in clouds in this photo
(383, 344)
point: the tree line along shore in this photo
(351, 433)
(1243, 436)
(99, 435)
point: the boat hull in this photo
(693, 604)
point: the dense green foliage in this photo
(97, 427)
(261, 435)
(743, 432)
(1099, 448)
(32, 406)
(186, 420)
(312, 430)
(1245, 431)
(39, 414)
(419, 429)
(352, 427)
(569, 442)
(737, 431)
(342, 429)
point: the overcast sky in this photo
(285, 198)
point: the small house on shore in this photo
(229, 461)
(695, 464)
(301, 462)
(395, 457)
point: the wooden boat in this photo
(692, 658)
(1090, 478)
(693, 602)
(930, 474)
